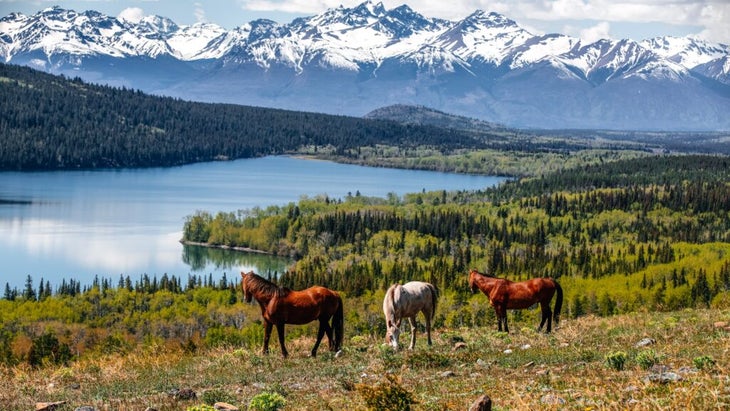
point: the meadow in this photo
(588, 363)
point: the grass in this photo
(563, 370)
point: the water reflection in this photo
(199, 258)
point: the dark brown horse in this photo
(505, 294)
(281, 306)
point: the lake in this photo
(107, 223)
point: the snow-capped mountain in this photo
(353, 60)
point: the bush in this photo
(616, 360)
(704, 362)
(215, 395)
(387, 396)
(647, 358)
(267, 401)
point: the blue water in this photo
(82, 224)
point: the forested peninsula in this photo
(52, 122)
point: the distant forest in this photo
(52, 122)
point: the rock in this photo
(339, 354)
(459, 346)
(645, 342)
(482, 363)
(85, 408)
(526, 347)
(48, 406)
(225, 406)
(552, 399)
(663, 378)
(507, 351)
(721, 324)
(483, 403)
(183, 394)
(529, 364)
(447, 374)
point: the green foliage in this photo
(267, 401)
(616, 360)
(388, 395)
(46, 349)
(427, 359)
(704, 362)
(647, 359)
(215, 395)
(202, 407)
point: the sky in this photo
(587, 19)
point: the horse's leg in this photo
(504, 318)
(428, 327)
(280, 331)
(320, 334)
(549, 316)
(412, 320)
(328, 331)
(267, 334)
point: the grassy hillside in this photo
(575, 368)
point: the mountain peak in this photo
(490, 19)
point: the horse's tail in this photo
(434, 299)
(338, 321)
(558, 303)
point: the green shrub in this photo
(215, 395)
(647, 358)
(267, 401)
(704, 362)
(427, 359)
(200, 408)
(616, 360)
(387, 396)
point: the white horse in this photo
(406, 301)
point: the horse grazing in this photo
(281, 306)
(408, 300)
(504, 294)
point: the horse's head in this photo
(472, 281)
(392, 333)
(247, 294)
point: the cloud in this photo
(131, 14)
(595, 33)
(199, 13)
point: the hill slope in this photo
(50, 122)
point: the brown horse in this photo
(504, 294)
(281, 306)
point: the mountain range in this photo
(351, 61)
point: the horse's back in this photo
(413, 297)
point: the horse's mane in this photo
(485, 274)
(390, 298)
(259, 285)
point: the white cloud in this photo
(199, 13)
(595, 33)
(131, 14)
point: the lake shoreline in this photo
(226, 247)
